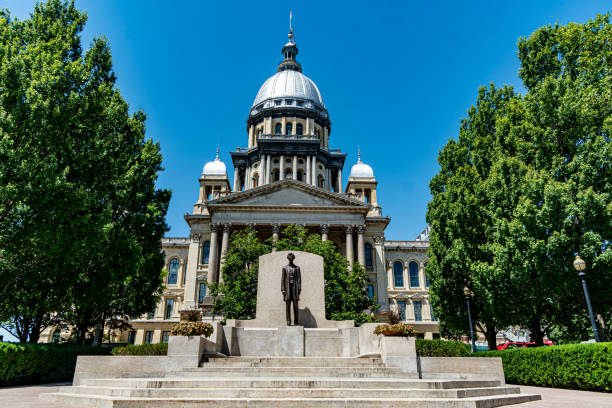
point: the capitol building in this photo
(288, 174)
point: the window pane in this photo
(278, 129)
(402, 309)
(168, 309)
(414, 274)
(398, 274)
(368, 255)
(371, 291)
(433, 317)
(148, 337)
(418, 316)
(165, 335)
(426, 275)
(205, 252)
(173, 273)
(150, 315)
(131, 337)
(202, 293)
(299, 129)
(288, 128)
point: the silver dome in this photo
(289, 84)
(361, 170)
(215, 167)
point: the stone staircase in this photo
(288, 382)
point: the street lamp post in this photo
(467, 292)
(580, 266)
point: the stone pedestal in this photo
(400, 352)
(187, 349)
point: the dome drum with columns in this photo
(287, 174)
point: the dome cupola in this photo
(215, 167)
(360, 169)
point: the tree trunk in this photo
(491, 336)
(537, 334)
(98, 332)
(36, 328)
(604, 331)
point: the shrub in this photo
(441, 348)
(22, 363)
(575, 366)
(359, 318)
(160, 349)
(398, 329)
(192, 329)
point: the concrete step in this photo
(293, 362)
(287, 382)
(284, 392)
(294, 371)
(84, 400)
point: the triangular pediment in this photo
(288, 193)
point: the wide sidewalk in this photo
(27, 397)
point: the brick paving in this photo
(27, 397)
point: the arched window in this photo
(255, 180)
(398, 274)
(368, 255)
(173, 271)
(289, 128)
(276, 174)
(299, 129)
(321, 181)
(205, 252)
(413, 269)
(300, 175)
(278, 129)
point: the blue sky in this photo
(396, 77)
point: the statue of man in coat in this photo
(291, 286)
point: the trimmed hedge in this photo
(441, 348)
(160, 349)
(575, 366)
(23, 363)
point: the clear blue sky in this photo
(396, 77)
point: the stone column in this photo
(324, 232)
(349, 243)
(212, 258)
(308, 170)
(282, 168)
(275, 233)
(236, 179)
(224, 248)
(340, 180)
(192, 267)
(295, 167)
(262, 169)
(328, 179)
(313, 179)
(268, 167)
(360, 245)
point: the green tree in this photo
(345, 288)
(81, 221)
(524, 190)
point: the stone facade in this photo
(286, 175)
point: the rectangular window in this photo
(368, 255)
(420, 335)
(371, 291)
(402, 309)
(150, 315)
(418, 315)
(433, 317)
(202, 293)
(168, 309)
(131, 337)
(148, 337)
(436, 336)
(426, 280)
(165, 335)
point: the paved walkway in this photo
(27, 397)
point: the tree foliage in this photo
(527, 186)
(81, 221)
(345, 288)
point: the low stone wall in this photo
(124, 367)
(467, 368)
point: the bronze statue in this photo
(291, 286)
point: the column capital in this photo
(251, 226)
(379, 239)
(324, 228)
(195, 237)
(348, 229)
(361, 229)
(275, 228)
(214, 227)
(227, 227)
